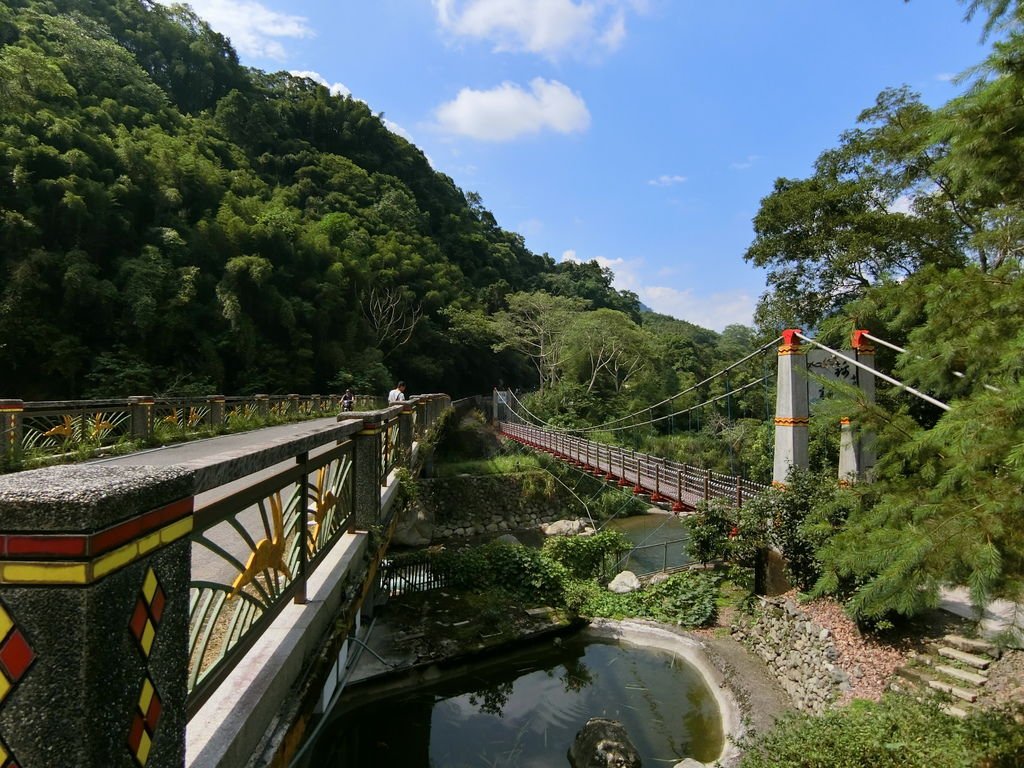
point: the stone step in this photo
(963, 675)
(953, 710)
(971, 645)
(953, 690)
(970, 659)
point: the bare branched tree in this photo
(391, 318)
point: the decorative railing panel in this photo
(251, 551)
(60, 427)
(37, 430)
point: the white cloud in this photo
(742, 165)
(336, 89)
(715, 311)
(508, 111)
(546, 27)
(666, 181)
(902, 204)
(945, 77)
(254, 29)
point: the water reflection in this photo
(525, 710)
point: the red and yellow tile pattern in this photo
(147, 715)
(145, 621)
(149, 609)
(16, 656)
(76, 558)
(6, 758)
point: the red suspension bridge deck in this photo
(681, 485)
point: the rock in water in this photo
(603, 743)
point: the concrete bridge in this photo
(155, 608)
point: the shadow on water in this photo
(525, 708)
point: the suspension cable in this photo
(872, 371)
(647, 409)
(890, 345)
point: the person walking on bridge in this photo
(397, 395)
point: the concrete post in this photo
(142, 416)
(791, 413)
(217, 412)
(293, 406)
(864, 352)
(848, 459)
(405, 433)
(10, 429)
(94, 603)
(262, 406)
(317, 406)
(366, 460)
(422, 422)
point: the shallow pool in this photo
(524, 710)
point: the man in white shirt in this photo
(397, 394)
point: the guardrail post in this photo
(739, 493)
(405, 432)
(94, 602)
(316, 403)
(217, 411)
(707, 487)
(791, 412)
(10, 429)
(366, 460)
(262, 406)
(141, 407)
(293, 406)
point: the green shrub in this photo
(587, 557)
(897, 732)
(512, 567)
(686, 599)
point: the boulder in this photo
(624, 582)
(565, 528)
(415, 527)
(603, 743)
(689, 762)
(508, 538)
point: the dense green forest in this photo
(174, 222)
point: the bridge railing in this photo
(50, 429)
(130, 593)
(684, 485)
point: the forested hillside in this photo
(171, 221)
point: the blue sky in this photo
(641, 133)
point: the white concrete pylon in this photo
(791, 413)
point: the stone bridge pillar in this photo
(94, 603)
(405, 432)
(791, 412)
(366, 459)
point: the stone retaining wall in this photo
(800, 654)
(472, 505)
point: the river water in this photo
(659, 539)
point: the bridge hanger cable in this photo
(647, 409)
(689, 389)
(890, 345)
(691, 408)
(872, 371)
